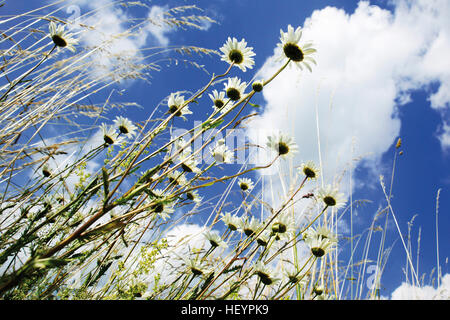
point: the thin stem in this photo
(26, 74)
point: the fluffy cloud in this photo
(444, 136)
(156, 27)
(368, 62)
(409, 292)
(119, 37)
(120, 45)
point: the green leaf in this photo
(206, 124)
(105, 182)
(217, 123)
(50, 263)
(254, 105)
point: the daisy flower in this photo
(320, 233)
(221, 153)
(176, 177)
(249, 226)
(258, 85)
(293, 276)
(215, 240)
(234, 88)
(218, 99)
(162, 209)
(283, 144)
(125, 126)
(319, 246)
(188, 161)
(61, 38)
(238, 53)
(157, 193)
(318, 289)
(283, 226)
(245, 184)
(175, 102)
(189, 164)
(325, 296)
(292, 50)
(331, 197)
(265, 274)
(110, 135)
(46, 171)
(181, 144)
(264, 238)
(325, 233)
(196, 267)
(166, 212)
(310, 170)
(232, 222)
(194, 196)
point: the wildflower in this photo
(197, 268)
(221, 153)
(189, 164)
(258, 85)
(215, 240)
(157, 194)
(176, 177)
(161, 206)
(292, 50)
(245, 184)
(320, 233)
(331, 197)
(309, 169)
(265, 274)
(109, 134)
(238, 53)
(218, 99)
(249, 226)
(325, 296)
(232, 222)
(175, 104)
(234, 88)
(194, 196)
(283, 144)
(318, 290)
(46, 171)
(264, 238)
(283, 226)
(181, 144)
(125, 126)
(61, 38)
(292, 275)
(167, 210)
(319, 246)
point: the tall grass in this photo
(91, 214)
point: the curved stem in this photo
(26, 74)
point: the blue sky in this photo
(388, 78)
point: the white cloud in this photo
(157, 28)
(181, 241)
(368, 62)
(407, 291)
(444, 136)
(120, 39)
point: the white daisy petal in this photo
(238, 53)
(61, 38)
(291, 49)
